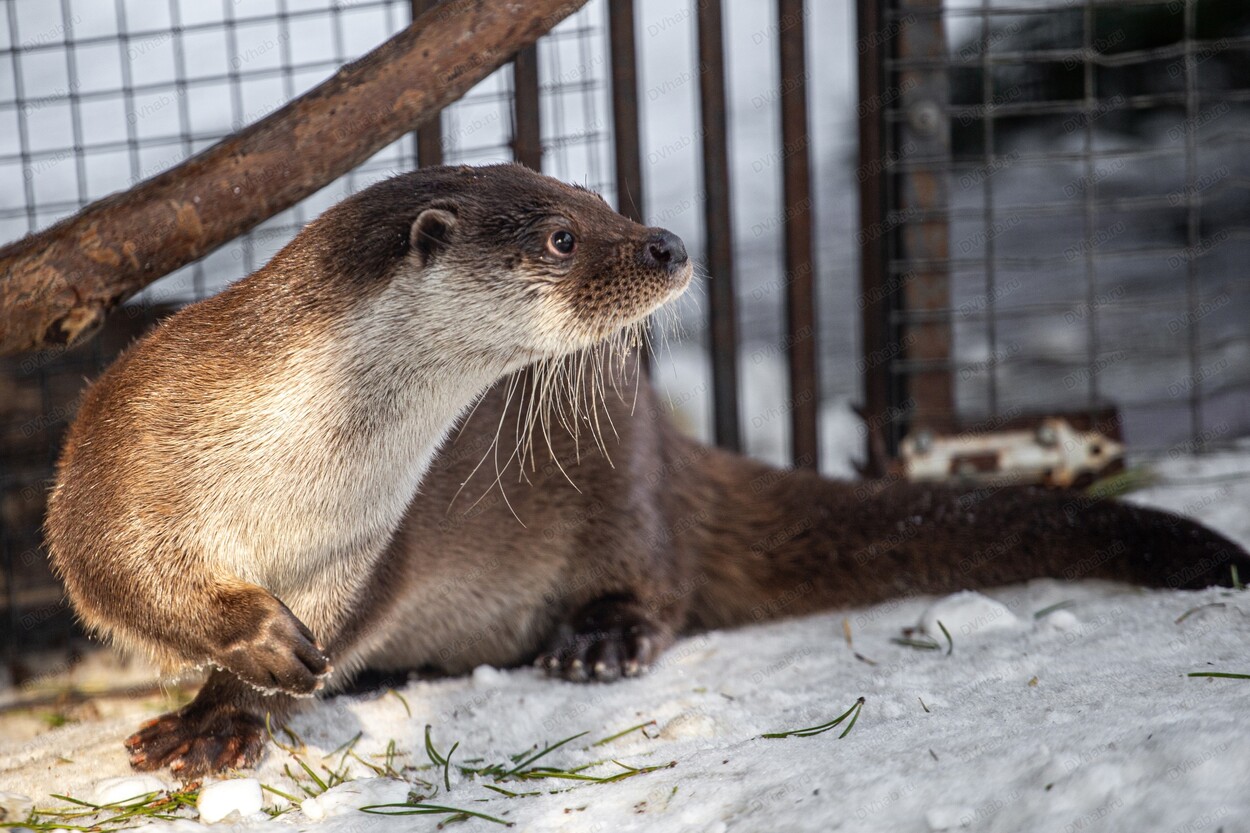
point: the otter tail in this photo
(772, 543)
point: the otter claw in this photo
(609, 638)
(198, 742)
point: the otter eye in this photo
(561, 243)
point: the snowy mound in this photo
(967, 614)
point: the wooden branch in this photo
(57, 285)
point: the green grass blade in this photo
(507, 793)
(542, 754)
(427, 810)
(77, 801)
(921, 644)
(374, 768)
(437, 759)
(401, 699)
(347, 745)
(812, 731)
(859, 707)
(311, 774)
(280, 794)
(623, 733)
(1046, 611)
(447, 766)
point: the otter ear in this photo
(432, 231)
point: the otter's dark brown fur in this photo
(594, 573)
(670, 535)
(599, 556)
(231, 483)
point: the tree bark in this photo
(57, 285)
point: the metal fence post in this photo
(718, 227)
(799, 260)
(924, 151)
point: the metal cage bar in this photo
(877, 297)
(626, 148)
(429, 136)
(527, 142)
(718, 224)
(800, 264)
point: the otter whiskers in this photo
(569, 393)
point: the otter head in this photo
(514, 263)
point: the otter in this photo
(232, 480)
(586, 542)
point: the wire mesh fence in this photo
(96, 97)
(1065, 224)
(1052, 203)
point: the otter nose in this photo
(664, 250)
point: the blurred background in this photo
(1013, 208)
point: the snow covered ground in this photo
(1081, 720)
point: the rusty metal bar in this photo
(925, 134)
(626, 143)
(627, 151)
(717, 223)
(799, 258)
(56, 286)
(876, 296)
(429, 136)
(527, 141)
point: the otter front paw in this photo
(608, 638)
(194, 743)
(279, 655)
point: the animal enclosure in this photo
(960, 214)
(1055, 214)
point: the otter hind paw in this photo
(606, 639)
